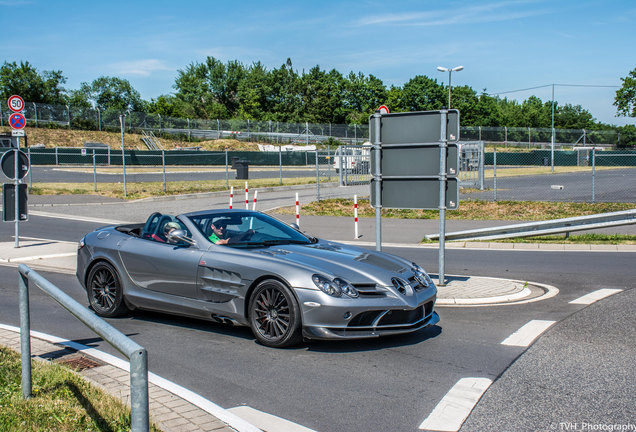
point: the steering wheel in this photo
(244, 236)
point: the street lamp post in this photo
(449, 70)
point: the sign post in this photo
(17, 121)
(414, 165)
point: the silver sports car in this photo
(245, 267)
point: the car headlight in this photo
(334, 288)
(81, 243)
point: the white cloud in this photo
(489, 12)
(139, 67)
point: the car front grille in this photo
(390, 319)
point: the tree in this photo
(170, 106)
(113, 94)
(286, 95)
(362, 96)
(625, 99)
(211, 88)
(422, 93)
(573, 117)
(322, 96)
(253, 93)
(26, 81)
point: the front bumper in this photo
(344, 318)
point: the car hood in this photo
(351, 263)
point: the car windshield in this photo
(247, 229)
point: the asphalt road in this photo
(609, 185)
(390, 383)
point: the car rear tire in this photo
(104, 290)
(274, 315)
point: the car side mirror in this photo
(294, 226)
(179, 235)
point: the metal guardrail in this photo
(556, 226)
(138, 356)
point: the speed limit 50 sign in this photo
(16, 103)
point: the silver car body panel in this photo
(213, 282)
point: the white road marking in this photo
(222, 414)
(78, 218)
(451, 412)
(267, 422)
(595, 296)
(528, 333)
(41, 257)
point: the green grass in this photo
(62, 401)
(614, 239)
(468, 210)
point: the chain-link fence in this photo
(191, 130)
(582, 175)
(586, 174)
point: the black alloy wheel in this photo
(275, 315)
(105, 292)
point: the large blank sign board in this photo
(416, 161)
(416, 194)
(410, 160)
(418, 127)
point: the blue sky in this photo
(503, 45)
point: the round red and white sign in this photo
(16, 103)
(383, 109)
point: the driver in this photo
(219, 232)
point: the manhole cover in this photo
(79, 362)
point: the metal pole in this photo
(505, 136)
(68, 116)
(482, 151)
(329, 161)
(163, 163)
(57, 162)
(317, 178)
(593, 174)
(189, 133)
(94, 171)
(227, 173)
(35, 109)
(494, 172)
(449, 87)
(377, 178)
(123, 154)
(99, 120)
(280, 163)
(552, 137)
(443, 145)
(31, 170)
(25, 335)
(17, 195)
(139, 408)
(307, 133)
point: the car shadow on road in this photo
(192, 324)
(374, 344)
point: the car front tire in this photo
(274, 315)
(105, 293)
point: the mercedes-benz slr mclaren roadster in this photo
(245, 267)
